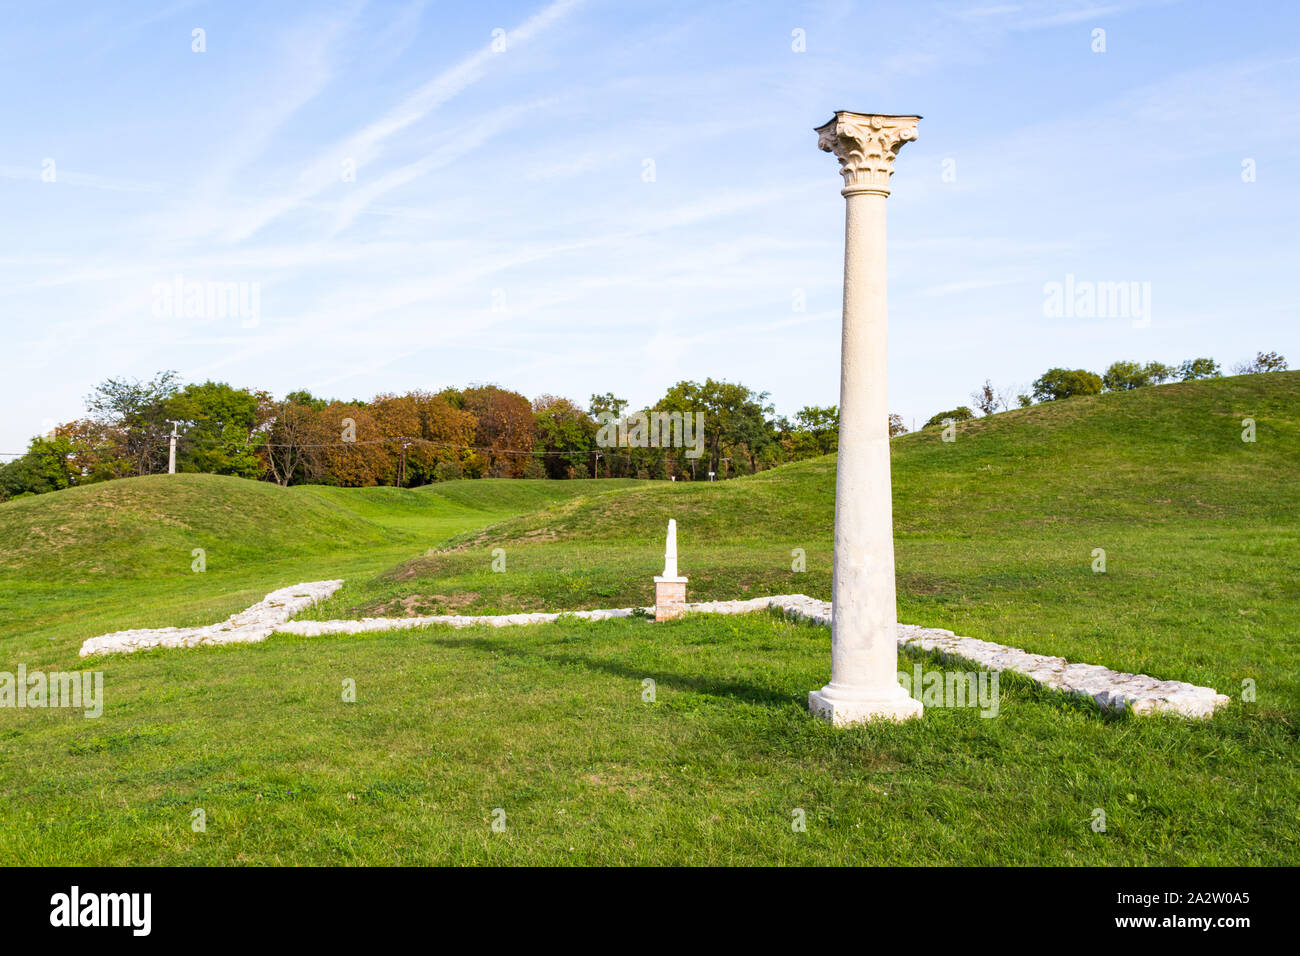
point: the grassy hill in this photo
(996, 534)
(146, 526)
(120, 554)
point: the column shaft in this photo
(864, 652)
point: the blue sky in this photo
(500, 227)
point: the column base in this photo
(670, 598)
(845, 706)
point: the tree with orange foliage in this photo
(362, 457)
(96, 450)
(504, 427)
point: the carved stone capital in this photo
(866, 144)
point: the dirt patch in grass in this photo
(419, 605)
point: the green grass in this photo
(549, 724)
(995, 534)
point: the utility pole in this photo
(401, 470)
(171, 452)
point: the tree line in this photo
(1120, 376)
(409, 439)
(479, 431)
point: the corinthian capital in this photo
(866, 144)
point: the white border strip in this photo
(1112, 690)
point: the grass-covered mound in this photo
(996, 535)
(120, 554)
(149, 526)
(145, 526)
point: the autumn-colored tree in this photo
(397, 417)
(450, 432)
(504, 428)
(357, 454)
(94, 451)
(984, 398)
(1261, 363)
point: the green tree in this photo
(819, 429)
(608, 403)
(45, 467)
(217, 425)
(961, 413)
(1193, 369)
(1059, 383)
(735, 418)
(137, 413)
(304, 397)
(1159, 372)
(567, 434)
(1122, 376)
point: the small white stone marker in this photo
(670, 588)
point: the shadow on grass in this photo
(717, 687)
(752, 693)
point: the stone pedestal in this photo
(670, 598)
(670, 587)
(864, 650)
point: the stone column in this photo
(864, 642)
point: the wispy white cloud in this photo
(365, 145)
(71, 178)
(458, 144)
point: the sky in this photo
(585, 196)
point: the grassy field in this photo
(995, 539)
